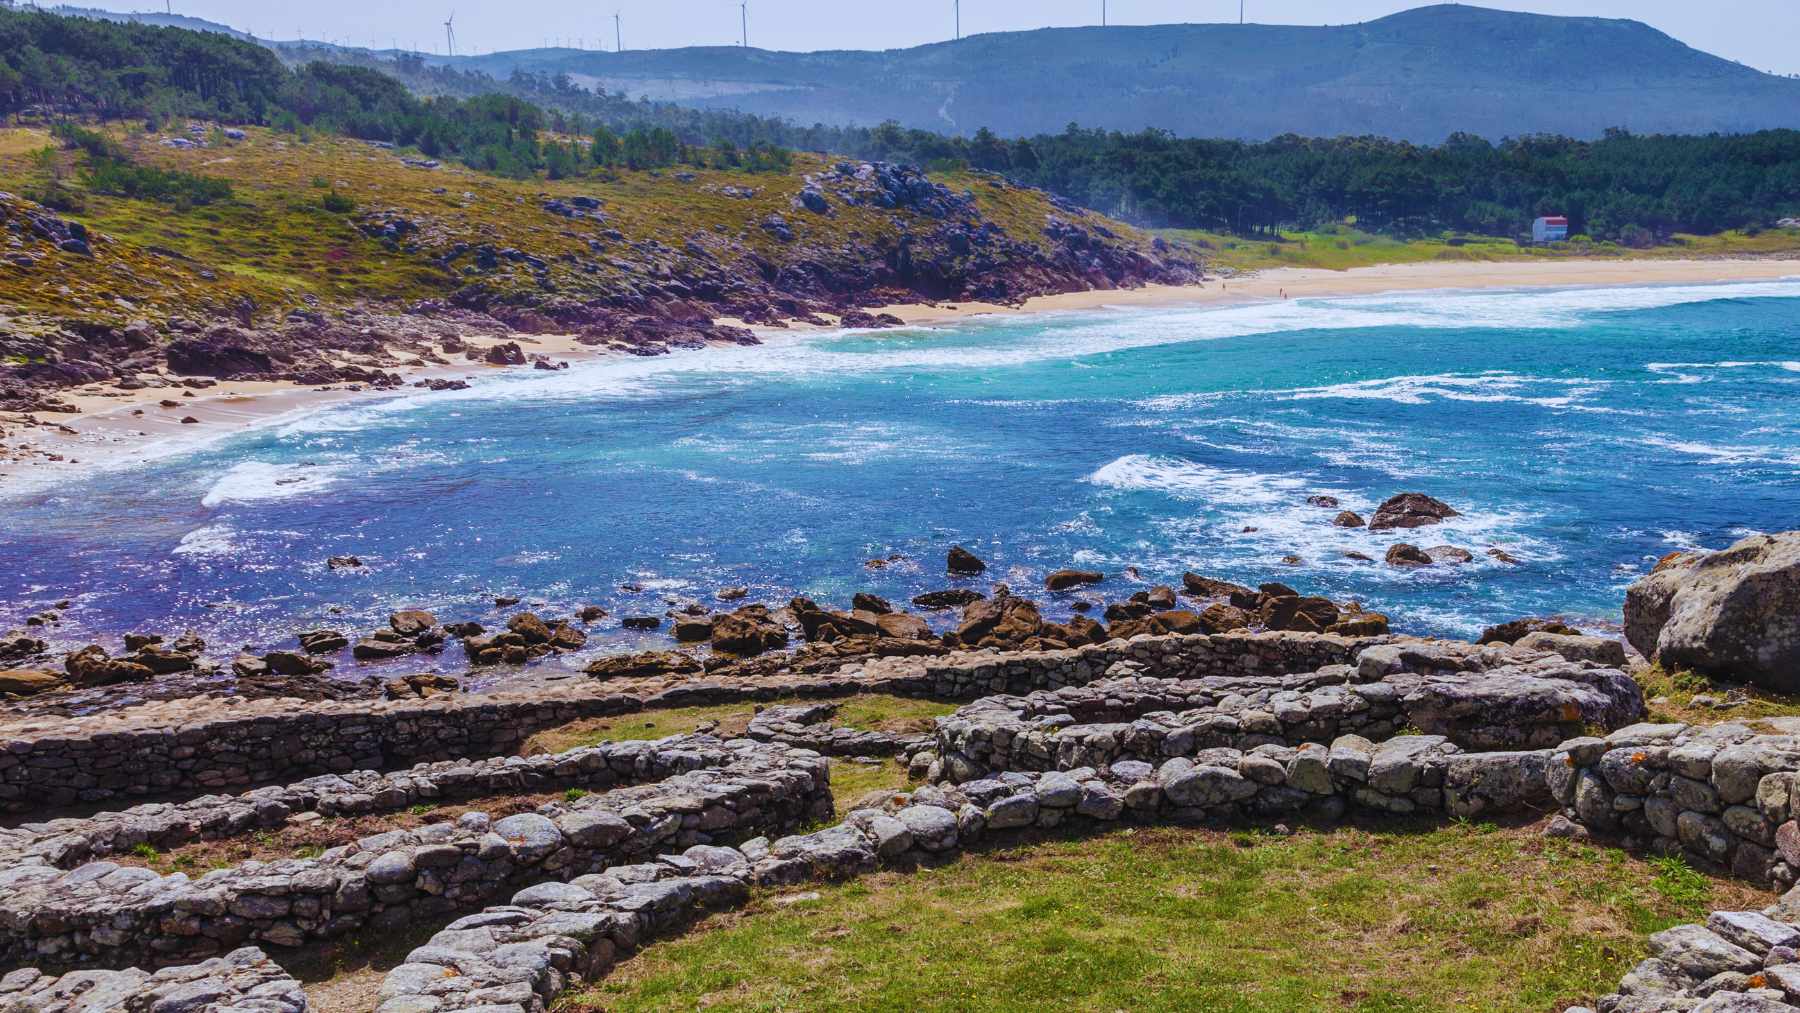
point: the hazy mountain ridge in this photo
(1420, 75)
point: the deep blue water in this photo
(1585, 432)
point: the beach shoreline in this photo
(119, 428)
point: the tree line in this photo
(1625, 187)
(70, 66)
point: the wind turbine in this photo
(744, 13)
(1102, 13)
(450, 33)
(958, 5)
(1240, 12)
(618, 34)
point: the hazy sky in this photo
(1760, 33)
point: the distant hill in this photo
(156, 18)
(1420, 75)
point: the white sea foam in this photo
(1191, 480)
(986, 343)
(1712, 453)
(211, 541)
(256, 481)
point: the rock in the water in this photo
(1733, 614)
(953, 598)
(1449, 555)
(411, 622)
(1062, 580)
(343, 563)
(1410, 510)
(866, 602)
(1402, 554)
(1348, 519)
(964, 563)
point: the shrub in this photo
(337, 203)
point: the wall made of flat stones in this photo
(1723, 795)
(210, 745)
(1497, 700)
(102, 913)
(243, 981)
(65, 843)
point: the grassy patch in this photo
(1431, 918)
(1671, 693)
(300, 224)
(871, 712)
(1345, 248)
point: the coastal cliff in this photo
(333, 260)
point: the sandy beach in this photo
(121, 427)
(1299, 283)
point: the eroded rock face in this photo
(1733, 614)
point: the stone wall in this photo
(209, 745)
(1723, 795)
(520, 956)
(1738, 962)
(65, 843)
(243, 981)
(103, 913)
(1495, 698)
(808, 726)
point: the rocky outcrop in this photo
(1733, 614)
(1063, 580)
(963, 563)
(1410, 510)
(1406, 555)
(220, 358)
(749, 631)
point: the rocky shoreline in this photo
(418, 654)
(707, 292)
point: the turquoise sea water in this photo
(1584, 432)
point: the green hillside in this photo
(1420, 75)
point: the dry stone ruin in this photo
(639, 840)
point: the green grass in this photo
(281, 242)
(850, 781)
(1345, 247)
(1430, 918)
(872, 711)
(1670, 694)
